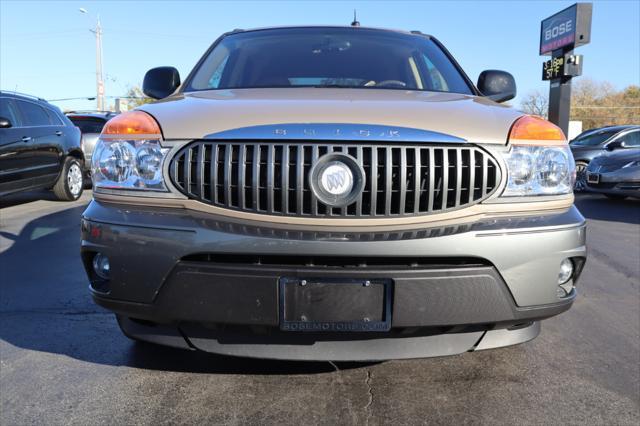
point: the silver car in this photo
(616, 175)
(331, 193)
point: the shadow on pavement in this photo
(27, 197)
(46, 307)
(599, 207)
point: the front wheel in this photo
(70, 183)
(581, 176)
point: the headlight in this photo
(128, 164)
(539, 162)
(539, 170)
(128, 154)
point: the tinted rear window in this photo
(328, 57)
(88, 124)
(33, 114)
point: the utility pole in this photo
(99, 75)
(100, 106)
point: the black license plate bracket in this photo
(335, 305)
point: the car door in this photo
(44, 145)
(14, 152)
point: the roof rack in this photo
(25, 95)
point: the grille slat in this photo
(403, 180)
(270, 174)
(285, 179)
(273, 178)
(458, 176)
(472, 175)
(417, 167)
(388, 174)
(299, 179)
(227, 175)
(375, 171)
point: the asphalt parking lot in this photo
(64, 361)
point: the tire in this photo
(69, 185)
(581, 176)
(615, 197)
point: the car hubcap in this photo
(74, 178)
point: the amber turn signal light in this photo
(532, 130)
(131, 124)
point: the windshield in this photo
(593, 139)
(328, 57)
(88, 124)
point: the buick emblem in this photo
(336, 179)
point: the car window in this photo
(632, 139)
(8, 111)
(54, 118)
(593, 139)
(88, 124)
(328, 57)
(434, 76)
(32, 114)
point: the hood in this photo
(198, 114)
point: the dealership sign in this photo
(566, 29)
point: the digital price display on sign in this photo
(566, 29)
(553, 68)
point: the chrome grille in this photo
(273, 178)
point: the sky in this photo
(47, 49)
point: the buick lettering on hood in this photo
(331, 193)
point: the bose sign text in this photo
(566, 29)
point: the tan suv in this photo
(331, 193)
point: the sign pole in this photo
(559, 35)
(560, 97)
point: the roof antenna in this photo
(355, 22)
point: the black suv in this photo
(39, 148)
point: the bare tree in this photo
(595, 103)
(135, 97)
(535, 103)
(599, 104)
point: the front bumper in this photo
(191, 279)
(625, 189)
(622, 182)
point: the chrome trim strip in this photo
(335, 132)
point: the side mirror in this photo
(5, 123)
(497, 85)
(161, 82)
(616, 145)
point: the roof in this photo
(617, 128)
(22, 95)
(355, 28)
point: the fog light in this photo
(565, 286)
(101, 266)
(566, 271)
